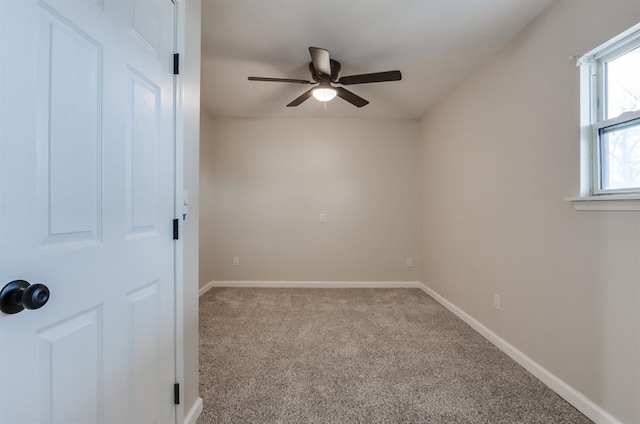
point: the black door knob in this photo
(19, 295)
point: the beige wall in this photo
(207, 200)
(191, 74)
(499, 155)
(266, 182)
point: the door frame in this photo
(187, 114)
(183, 111)
(178, 127)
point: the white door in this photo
(86, 208)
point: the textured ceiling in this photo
(434, 43)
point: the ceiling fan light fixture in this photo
(324, 94)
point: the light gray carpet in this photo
(357, 356)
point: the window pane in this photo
(620, 156)
(623, 84)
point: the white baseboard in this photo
(313, 284)
(194, 413)
(571, 395)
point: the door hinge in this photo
(176, 394)
(176, 229)
(176, 64)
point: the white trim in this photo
(571, 395)
(180, 45)
(628, 36)
(194, 413)
(313, 284)
(613, 202)
(612, 122)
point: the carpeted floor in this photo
(357, 356)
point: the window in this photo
(610, 86)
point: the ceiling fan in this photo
(324, 73)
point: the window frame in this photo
(593, 110)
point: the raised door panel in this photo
(145, 18)
(144, 352)
(69, 132)
(71, 379)
(143, 138)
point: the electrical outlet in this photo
(409, 262)
(236, 261)
(323, 218)
(496, 301)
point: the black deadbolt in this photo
(19, 295)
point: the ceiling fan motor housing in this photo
(335, 71)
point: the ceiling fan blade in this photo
(321, 60)
(297, 81)
(352, 98)
(369, 78)
(301, 99)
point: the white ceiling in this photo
(435, 43)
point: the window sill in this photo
(612, 202)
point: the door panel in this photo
(87, 160)
(145, 26)
(70, 93)
(144, 316)
(59, 346)
(142, 173)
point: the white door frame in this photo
(180, 47)
(183, 411)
